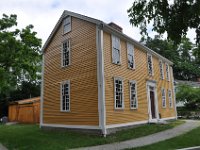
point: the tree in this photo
(174, 17)
(184, 56)
(20, 56)
(190, 96)
(19, 53)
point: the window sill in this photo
(65, 111)
(63, 34)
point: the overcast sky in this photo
(44, 14)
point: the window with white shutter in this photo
(116, 53)
(67, 25)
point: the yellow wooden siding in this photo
(140, 75)
(82, 74)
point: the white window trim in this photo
(119, 78)
(148, 54)
(170, 106)
(70, 24)
(112, 37)
(133, 82)
(161, 76)
(167, 73)
(132, 54)
(62, 65)
(61, 100)
(162, 97)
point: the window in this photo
(170, 98)
(167, 72)
(150, 64)
(67, 25)
(130, 52)
(66, 53)
(115, 50)
(65, 96)
(161, 69)
(163, 98)
(118, 84)
(133, 95)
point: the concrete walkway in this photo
(150, 139)
(2, 147)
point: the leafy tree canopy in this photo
(185, 56)
(19, 53)
(172, 16)
(190, 96)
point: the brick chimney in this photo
(115, 26)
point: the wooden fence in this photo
(25, 111)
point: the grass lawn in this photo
(189, 139)
(30, 137)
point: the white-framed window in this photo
(116, 52)
(65, 96)
(170, 98)
(161, 69)
(67, 25)
(167, 72)
(150, 64)
(171, 74)
(163, 98)
(130, 53)
(133, 95)
(66, 53)
(118, 93)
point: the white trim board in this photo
(126, 124)
(42, 93)
(169, 118)
(70, 126)
(101, 80)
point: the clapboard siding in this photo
(140, 75)
(82, 74)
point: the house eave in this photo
(108, 29)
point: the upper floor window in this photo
(118, 93)
(167, 72)
(133, 95)
(65, 96)
(116, 52)
(130, 52)
(161, 69)
(150, 64)
(163, 97)
(170, 98)
(66, 53)
(67, 25)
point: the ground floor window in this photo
(65, 96)
(118, 93)
(133, 95)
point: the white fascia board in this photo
(109, 29)
(70, 126)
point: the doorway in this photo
(152, 101)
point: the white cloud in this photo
(44, 14)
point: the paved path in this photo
(2, 147)
(150, 139)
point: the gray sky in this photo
(44, 14)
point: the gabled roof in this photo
(26, 101)
(104, 27)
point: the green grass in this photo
(31, 137)
(190, 139)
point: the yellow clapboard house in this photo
(98, 79)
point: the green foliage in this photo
(189, 95)
(19, 54)
(185, 56)
(31, 137)
(174, 17)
